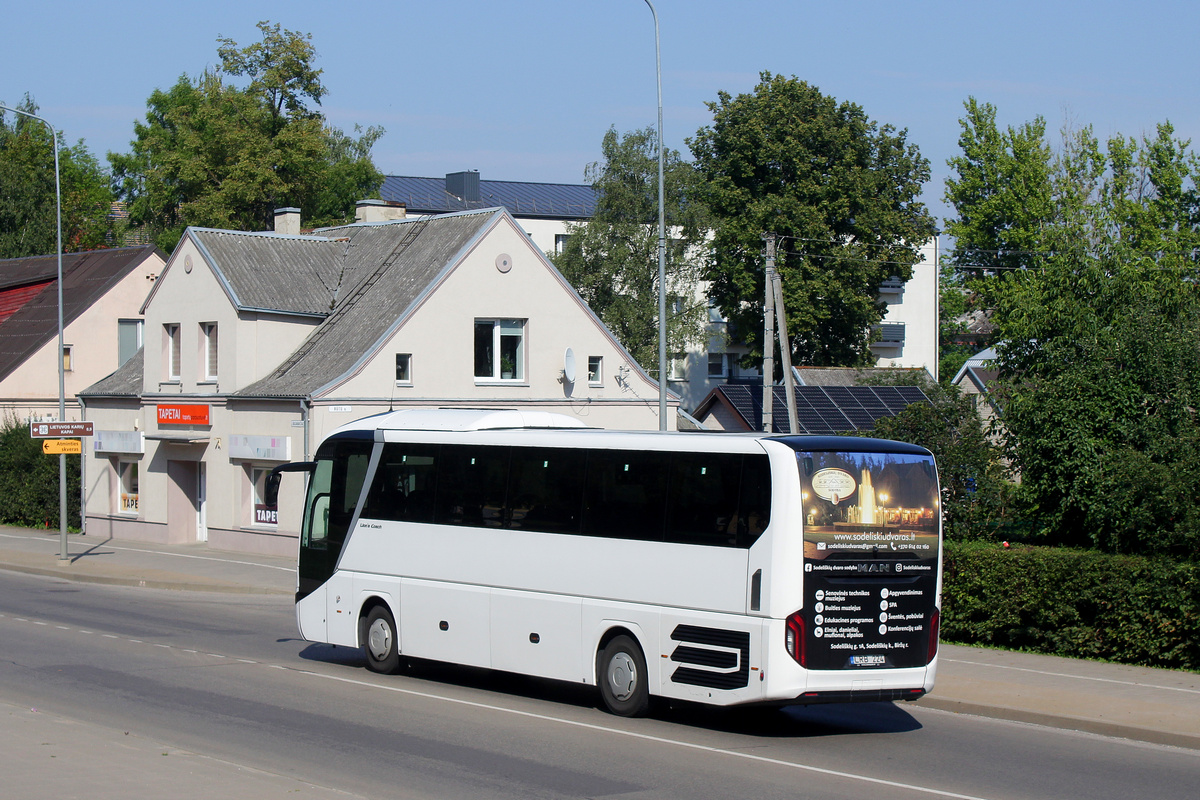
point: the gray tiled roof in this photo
(264, 271)
(522, 199)
(392, 265)
(126, 381)
(87, 277)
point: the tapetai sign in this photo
(177, 414)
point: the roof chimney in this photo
(287, 220)
(378, 210)
(464, 185)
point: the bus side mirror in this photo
(271, 490)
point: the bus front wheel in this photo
(623, 679)
(380, 641)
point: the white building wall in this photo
(32, 388)
(440, 338)
(916, 306)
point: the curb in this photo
(1062, 721)
(166, 582)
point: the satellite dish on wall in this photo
(569, 365)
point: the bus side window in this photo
(471, 485)
(702, 504)
(545, 489)
(625, 494)
(754, 506)
(404, 484)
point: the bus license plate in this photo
(867, 661)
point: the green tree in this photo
(1001, 191)
(612, 259)
(976, 493)
(212, 154)
(28, 217)
(840, 188)
(1097, 314)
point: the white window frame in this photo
(208, 333)
(677, 369)
(127, 500)
(257, 475)
(595, 370)
(407, 379)
(501, 328)
(136, 326)
(68, 357)
(173, 350)
(720, 362)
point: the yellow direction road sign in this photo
(58, 447)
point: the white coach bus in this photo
(718, 568)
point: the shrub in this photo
(29, 481)
(1073, 603)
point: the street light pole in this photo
(62, 394)
(662, 243)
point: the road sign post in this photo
(54, 433)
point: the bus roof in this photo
(465, 419)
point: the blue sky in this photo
(525, 89)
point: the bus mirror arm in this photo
(271, 491)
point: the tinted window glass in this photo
(625, 494)
(404, 484)
(471, 486)
(545, 489)
(702, 503)
(754, 505)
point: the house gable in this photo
(498, 276)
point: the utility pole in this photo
(785, 355)
(769, 333)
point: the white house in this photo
(102, 295)
(260, 344)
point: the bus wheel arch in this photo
(621, 674)
(379, 637)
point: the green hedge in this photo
(29, 481)
(1080, 604)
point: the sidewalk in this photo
(1151, 705)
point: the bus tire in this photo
(383, 655)
(623, 680)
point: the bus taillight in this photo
(935, 624)
(794, 638)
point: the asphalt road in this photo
(219, 687)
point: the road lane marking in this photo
(641, 736)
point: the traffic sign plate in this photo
(57, 430)
(60, 447)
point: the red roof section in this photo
(11, 300)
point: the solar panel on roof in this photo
(824, 410)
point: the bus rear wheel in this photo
(383, 655)
(623, 679)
